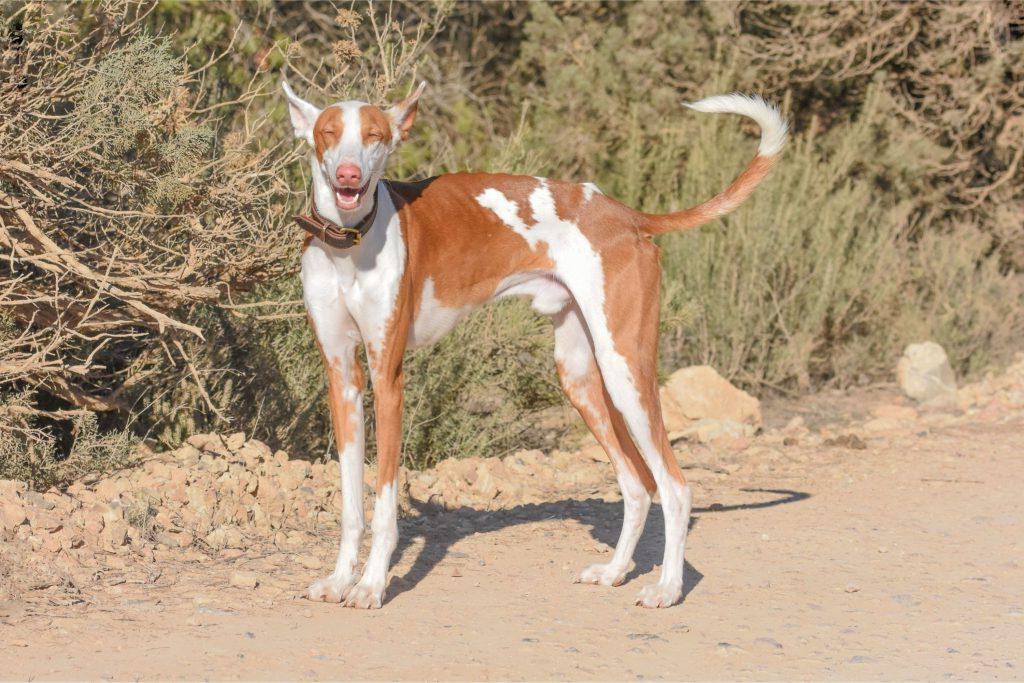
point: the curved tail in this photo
(773, 138)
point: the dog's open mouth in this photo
(349, 198)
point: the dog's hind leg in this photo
(582, 384)
(622, 320)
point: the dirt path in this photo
(901, 560)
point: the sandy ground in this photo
(902, 560)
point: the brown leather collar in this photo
(335, 235)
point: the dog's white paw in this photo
(330, 588)
(602, 575)
(659, 595)
(365, 596)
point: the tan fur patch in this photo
(375, 125)
(719, 205)
(327, 130)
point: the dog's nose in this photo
(349, 174)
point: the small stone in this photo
(724, 648)
(847, 441)
(709, 430)
(925, 375)
(43, 520)
(12, 488)
(699, 392)
(225, 536)
(114, 535)
(769, 642)
(309, 562)
(12, 516)
(247, 580)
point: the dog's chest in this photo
(351, 295)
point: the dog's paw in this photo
(602, 575)
(659, 595)
(330, 588)
(365, 596)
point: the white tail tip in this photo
(774, 128)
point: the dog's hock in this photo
(303, 114)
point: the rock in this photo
(309, 562)
(925, 375)
(12, 515)
(108, 512)
(111, 489)
(486, 484)
(709, 430)
(12, 488)
(186, 456)
(696, 393)
(38, 500)
(225, 536)
(594, 452)
(246, 580)
(847, 441)
(235, 441)
(114, 535)
(294, 474)
(208, 442)
(43, 520)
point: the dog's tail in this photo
(773, 138)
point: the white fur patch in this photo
(433, 320)
(774, 128)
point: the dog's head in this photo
(350, 143)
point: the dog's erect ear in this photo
(303, 114)
(403, 114)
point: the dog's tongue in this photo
(348, 197)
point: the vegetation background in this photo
(147, 176)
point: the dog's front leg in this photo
(345, 384)
(387, 388)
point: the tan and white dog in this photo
(435, 250)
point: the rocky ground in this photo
(857, 535)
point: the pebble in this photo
(770, 642)
(247, 580)
(309, 562)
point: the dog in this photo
(393, 266)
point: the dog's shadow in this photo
(441, 529)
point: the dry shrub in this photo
(125, 202)
(954, 71)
